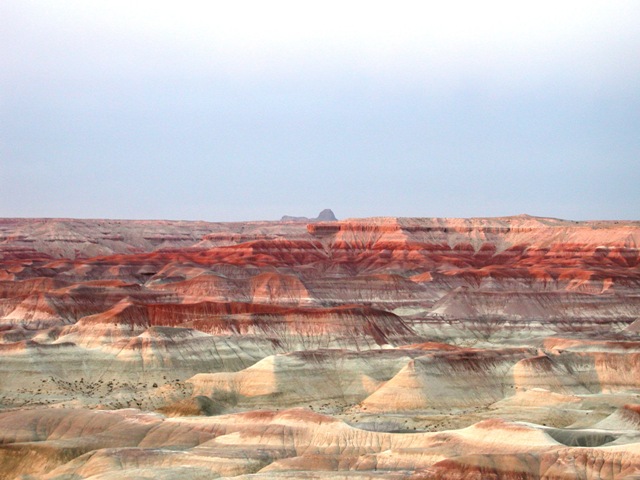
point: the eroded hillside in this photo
(364, 348)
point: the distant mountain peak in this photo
(325, 215)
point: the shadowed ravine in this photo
(485, 348)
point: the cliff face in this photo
(455, 329)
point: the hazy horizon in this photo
(252, 111)
(339, 218)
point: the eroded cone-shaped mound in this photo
(448, 380)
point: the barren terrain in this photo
(424, 348)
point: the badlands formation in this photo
(487, 348)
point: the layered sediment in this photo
(363, 348)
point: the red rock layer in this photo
(390, 324)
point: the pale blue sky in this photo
(252, 110)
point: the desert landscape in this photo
(366, 348)
(177, 302)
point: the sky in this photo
(249, 110)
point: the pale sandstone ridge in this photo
(425, 348)
(292, 444)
